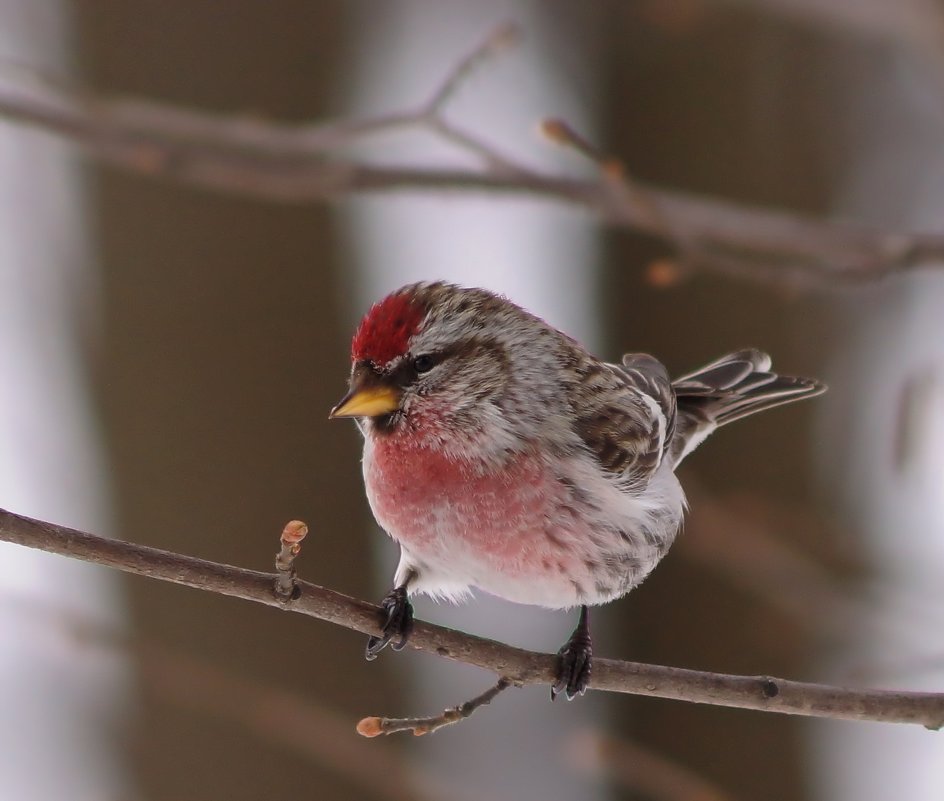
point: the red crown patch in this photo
(385, 331)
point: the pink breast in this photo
(434, 505)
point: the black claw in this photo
(575, 661)
(396, 625)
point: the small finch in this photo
(501, 455)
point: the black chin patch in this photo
(385, 423)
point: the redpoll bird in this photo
(501, 455)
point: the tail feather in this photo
(737, 365)
(755, 381)
(734, 386)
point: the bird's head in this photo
(448, 362)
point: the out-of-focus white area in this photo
(59, 699)
(541, 256)
(888, 406)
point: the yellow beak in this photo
(367, 402)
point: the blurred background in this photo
(169, 355)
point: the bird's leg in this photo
(575, 660)
(396, 621)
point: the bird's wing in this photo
(734, 386)
(626, 416)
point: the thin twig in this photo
(286, 585)
(375, 726)
(495, 161)
(624, 190)
(308, 163)
(506, 35)
(560, 132)
(518, 665)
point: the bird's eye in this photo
(424, 363)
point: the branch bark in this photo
(519, 666)
(310, 163)
(374, 726)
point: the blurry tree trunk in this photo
(51, 687)
(216, 381)
(711, 102)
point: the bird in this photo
(501, 455)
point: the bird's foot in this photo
(574, 662)
(396, 625)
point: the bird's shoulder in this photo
(625, 414)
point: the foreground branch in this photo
(375, 726)
(515, 664)
(311, 163)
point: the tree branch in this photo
(519, 666)
(286, 577)
(309, 163)
(374, 726)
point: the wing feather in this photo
(626, 416)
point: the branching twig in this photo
(504, 36)
(519, 666)
(375, 726)
(307, 163)
(286, 585)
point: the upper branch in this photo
(515, 664)
(307, 163)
